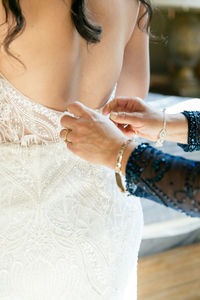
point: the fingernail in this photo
(113, 115)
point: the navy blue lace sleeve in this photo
(166, 179)
(193, 118)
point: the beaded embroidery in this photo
(23, 121)
(193, 118)
(152, 172)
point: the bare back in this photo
(62, 68)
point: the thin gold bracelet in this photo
(118, 166)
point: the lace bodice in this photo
(23, 121)
(26, 122)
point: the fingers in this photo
(71, 147)
(74, 129)
(124, 104)
(68, 121)
(107, 108)
(113, 105)
(78, 109)
(64, 134)
(70, 136)
(124, 118)
(128, 131)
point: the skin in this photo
(96, 138)
(145, 121)
(93, 136)
(62, 68)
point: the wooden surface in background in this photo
(170, 275)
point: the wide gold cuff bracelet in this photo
(118, 166)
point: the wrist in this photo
(177, 128)
(111, 159)
(163, 132)
(127, 153)
(120, 167)
(111, 162)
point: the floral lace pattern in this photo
(66, 232)
(24, 121)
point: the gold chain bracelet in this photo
(163, 132)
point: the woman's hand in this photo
(92, 136)
(134, 117)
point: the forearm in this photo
(177, 128)
(172, 181)
(131, 147)
(184, 129)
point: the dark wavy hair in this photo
(90, 31)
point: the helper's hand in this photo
(92, 136)
(134, 117)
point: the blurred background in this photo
(175, 54)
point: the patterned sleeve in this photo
(193, 118)
(166, 179)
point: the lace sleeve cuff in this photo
(193, 118)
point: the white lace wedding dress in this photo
(66, 231)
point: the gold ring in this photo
(65, 133)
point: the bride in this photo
(66, 232)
